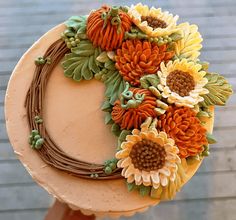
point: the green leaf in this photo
(144, 190)
(78, 18)
(76, 22)
(72, 24)
(103, 57)
(108, 119)
(176, 36)
(149, 80)
(123, 135)
(204, 113)
(115, 85)
(130, 186)
(193, 159)
(106, 107)
(210, 138)
(204, 64)
(81, 63)
(110, 65)
(113, 81)
(115, 129)
(219, 90)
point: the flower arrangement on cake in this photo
(158, 95)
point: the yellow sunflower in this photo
(153, 22)
(182, 82)
(148, 157)
(190, 44)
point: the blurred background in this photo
(211, 194)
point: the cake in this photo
(114, 106)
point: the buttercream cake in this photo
(139, 71)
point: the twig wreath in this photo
(157, 92)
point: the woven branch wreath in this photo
(157, 92)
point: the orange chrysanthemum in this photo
(133, 117)
(182, 125)
(107, 30)
(137, 58)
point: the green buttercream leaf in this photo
(144, 190)
(123, 135)
(113, 81)
(130, 186)
(106, 106)
(103, 57)
(108, 119)
(149, 80)
(75, 31)
(176, 36)
(206, 151)
(115, 128)
(219, 90)
(110, 65)
(76, 22)
(204, 64)
(193, 159)
(78, 18)
(204, 112)
(211, 139)
(81, 63)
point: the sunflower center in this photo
(147, 155)
(180, 82)
(154, 22)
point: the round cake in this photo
(138, 70)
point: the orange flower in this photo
(133, 117)
(182, 125)
(106, 27)
(137, 58)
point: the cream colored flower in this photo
(182, 82)
(189, 46)
(148, 157)
(153, 22)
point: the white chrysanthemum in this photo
(158, 177)
(137, 11)
(189, 46)
(186, 67)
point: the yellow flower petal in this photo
(163, 180)
(190, 45)
(155, 177)
(129, 171)
(137, 11)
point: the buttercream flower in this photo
(133, 108)
(182, 125)
(137, 58)
(148, 157)
(153, 22)
(190, 44)
(182, 82)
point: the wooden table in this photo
(211, 194)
